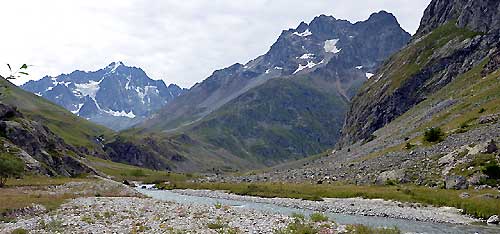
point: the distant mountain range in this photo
(117, 96)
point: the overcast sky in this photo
(179, 41)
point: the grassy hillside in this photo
(422, 68)
(73, 129)
(282, 120)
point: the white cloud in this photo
(178, 41)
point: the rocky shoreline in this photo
(132, 214)
(354, 206)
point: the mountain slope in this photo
(284, 105)
(277, 122)
(74, 130)
(117, 96)
(447, 78)
(309, 47)
(430, 62)
(50, 140)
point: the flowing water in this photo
(406, 226)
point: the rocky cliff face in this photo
(42, 151)
(479, 16)
(117, 96)
(454, 37)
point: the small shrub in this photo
(216, 225)
(19, 231)
(433, 135)
(298, 216)
(492, 171)
(362, 229)
(482, 110)
(87, 219)
(409, 146)
(391, 182)
(218, 205)
(108, 214)
(10, 166)
(53, 226)
(299, 226)
(318, 217)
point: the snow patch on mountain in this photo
(369, 75)
(307, 56)
(78, 108)
(88, 89)
(309, 65)
(331, 46)
(303, 34)
(122, 113)
(359, 67)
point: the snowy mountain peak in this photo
(114, 65)
(117, 96)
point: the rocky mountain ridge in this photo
(354, 50)
(117, 96)
(446, 81)
(42, 151)
(286, 104)
(432, 61)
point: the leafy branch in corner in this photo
(18, 73)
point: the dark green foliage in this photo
(492, 171)
(17, 73)
(281, 120)
(409, 146)
(433, 135)
(318, 217)
(482, 110)
(9, 167)
(19, 231)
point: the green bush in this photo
(298, 226)
(433, 135)
(318, 217)
(9, 167)
(409, 146)
(19, 231)
(492, 171)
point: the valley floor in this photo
(99, 205)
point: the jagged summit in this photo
(116, 96)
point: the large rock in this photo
(42, 151)
(7, 112)
(398, 176)
(491, 147)
(477, 15)
(493, 220)
(456, 182)
(477, 178)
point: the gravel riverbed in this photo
(353, 206)
(132, 214)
